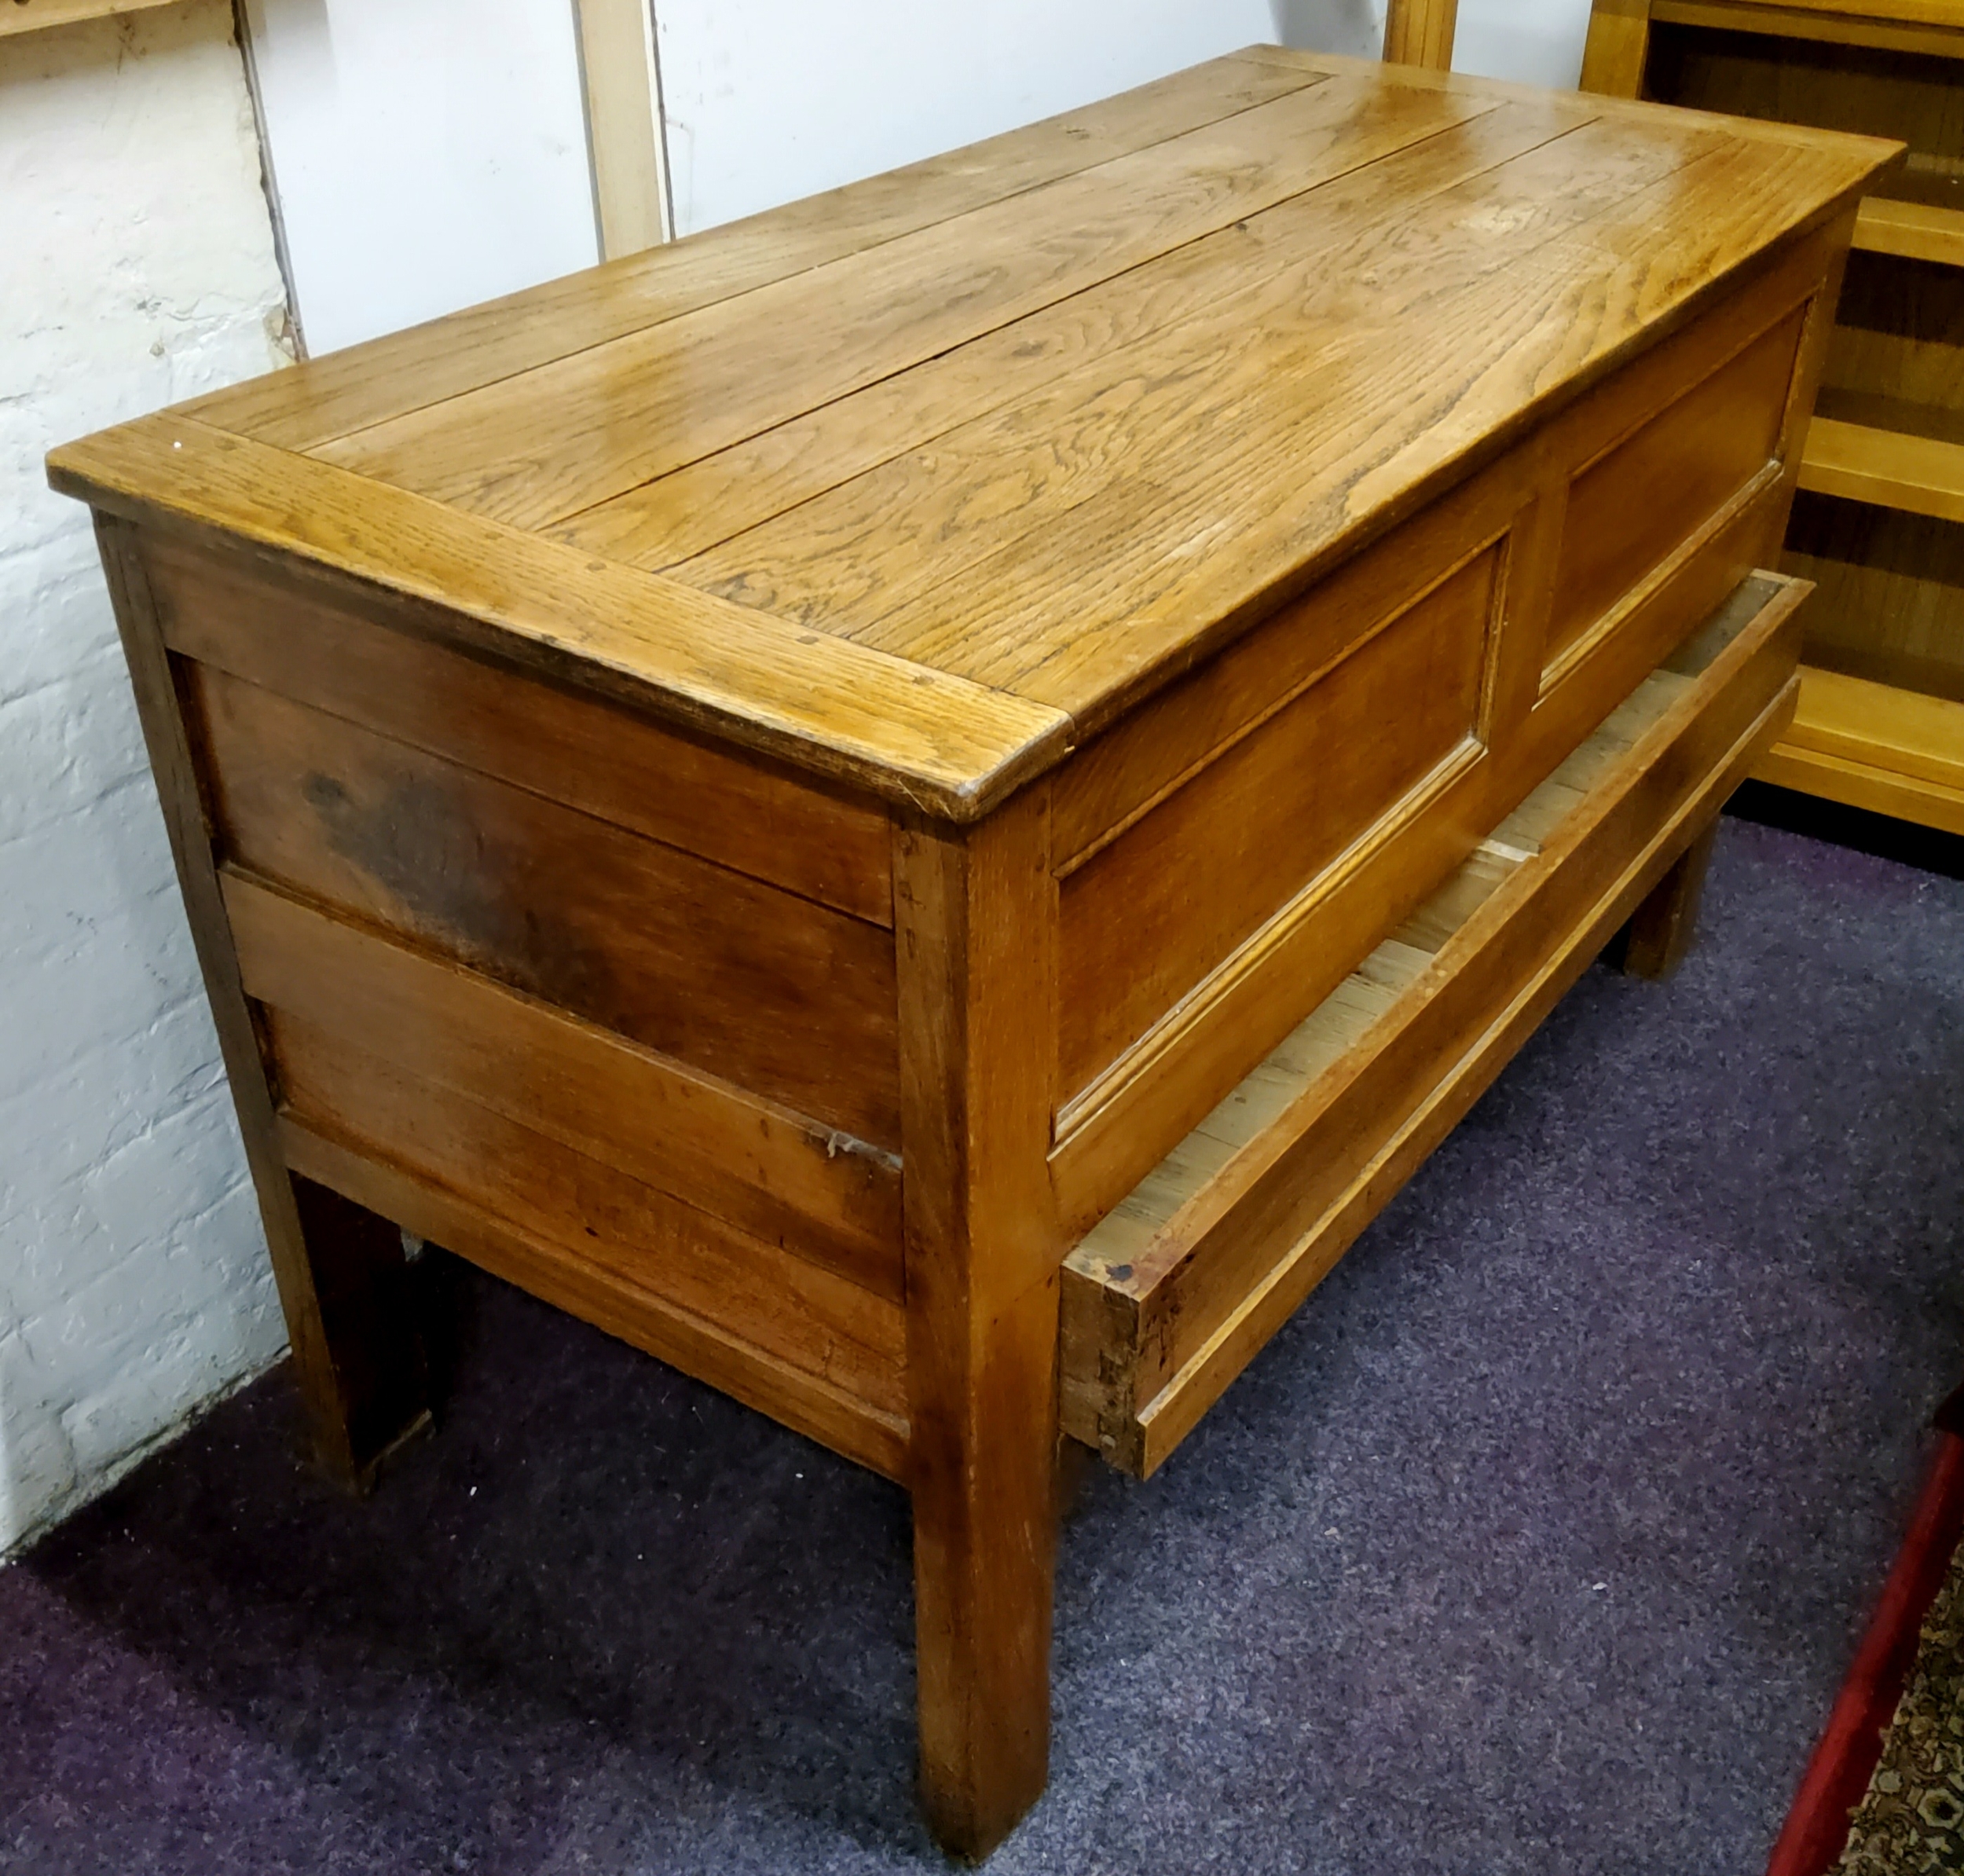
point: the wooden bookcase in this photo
(1879, 522)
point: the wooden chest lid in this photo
(920, 482)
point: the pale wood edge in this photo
(1174, 1412)
(1875, 747)
(804, 1402)
(1906, 731)
(1914, 231)
(1884, 469)
(1421, 32)
(1617, 49)
(625, 136)
(1865, 786)
(942, 744)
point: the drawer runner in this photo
(1170, 1295)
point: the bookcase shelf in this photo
(1886, 468)
(1916, 231)
(1932, 28)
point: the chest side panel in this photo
(1390, 727)
(1230, 850)
(670, 963)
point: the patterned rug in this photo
(1911, 1819)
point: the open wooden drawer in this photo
(1172, 1293)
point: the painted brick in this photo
(139, 269)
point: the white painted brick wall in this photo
(136, 268)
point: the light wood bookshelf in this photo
(1879, 522)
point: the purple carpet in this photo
(1540, 1541)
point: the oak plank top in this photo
(918, 484)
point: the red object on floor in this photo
(1838, 1776)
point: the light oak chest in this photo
(922, 804)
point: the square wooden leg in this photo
(370, 1396)
(985, 1554)
(1663, 928)
(974, 915)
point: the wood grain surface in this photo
(762, 791)
(978, 984)
(607, 1279)
(680, 516)
(530, 449)
(356, 1358)
(1153, 913)
(286, 633)
(773, 992)
(898, 486)
(909, 733)
(718, 1148)
(370, 383)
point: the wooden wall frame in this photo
(1421, 32)
(626, 140)
(621, 74)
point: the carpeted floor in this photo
(1539, 1542)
